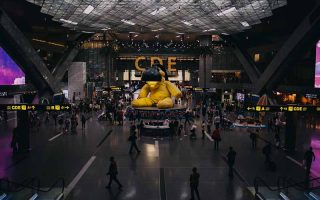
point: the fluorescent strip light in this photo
(224, 33)
(128, 22)
(87, 32)
(180, 33)
(155, 30)
(47, 42)
(69, 21)
(105, 29)
(212, 29)
(157, 11)
(136, 35)
(88, 10)
(186, 23)
(227, 11)
(245, 24)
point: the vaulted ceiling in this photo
(170, 16)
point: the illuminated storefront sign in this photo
(171, 62)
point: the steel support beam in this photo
(64, 63)
(22, 51)
(69, 55)
(244, 58)
(304, 36)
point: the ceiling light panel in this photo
(173, 16)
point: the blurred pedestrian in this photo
(231, 157)
(113, 173)
(194, 183)
(83, 121)
(253, 137)
(216, 137)
(133, 141)
(308, 158)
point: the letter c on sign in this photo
(137, 63)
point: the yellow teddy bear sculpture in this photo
(157, 91)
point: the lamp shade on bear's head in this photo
(151, 74)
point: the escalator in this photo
(30, 189)
(287, 189)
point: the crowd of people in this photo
(212, 117)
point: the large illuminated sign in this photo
(10, 72)
(171, 62)
(317, 71)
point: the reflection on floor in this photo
(160, 172)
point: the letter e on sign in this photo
(171, 61)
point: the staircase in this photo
(27, 190)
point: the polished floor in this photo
(160, 172)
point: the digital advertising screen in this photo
(10, 72)
(317, 71)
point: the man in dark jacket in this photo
(231, 157)
(112, 173)
(308, 158)
(267, 152)
(253, 137)
(132, 139)
(194, 183)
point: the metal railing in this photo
(30, 185)
(284, 183)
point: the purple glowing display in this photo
(10, 72)
(317, 71)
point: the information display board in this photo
(35, 107)
(285, 108)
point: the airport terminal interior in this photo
(159, 100)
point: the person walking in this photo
(203, 126)
(253, 137)
(113, 173)
(231, 157)
(193, 131)
(132, 139)
(216, 137)
(133, 127)
(140, 128)
(5, 116)
(209, 124)
(180, 130)
(187, 118)
(277, 125)
(15, 140)
(47, 117)
(308, 158)
(55, 116)
(194, 183)
(83, 121)
(267, 152)
(217, 121)
(277, 140)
